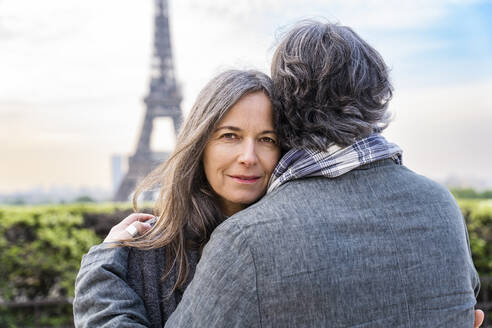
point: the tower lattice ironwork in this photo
(163, 100)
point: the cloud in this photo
(444, 130)
(374, 14)
(40, 22)
(5, 33)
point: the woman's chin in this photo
(233, 205)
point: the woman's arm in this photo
(103, 297)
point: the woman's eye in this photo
(269, 140)
(229, 136)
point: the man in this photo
(346, 236)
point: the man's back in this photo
(377, 247)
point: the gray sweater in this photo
(145, 272)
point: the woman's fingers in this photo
(137, 228)
(142, 217)
(131, 226)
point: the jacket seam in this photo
(256, 285)
(401, 276)
(242, 235)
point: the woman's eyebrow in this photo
(228, 127)
(268, 131)
(235, 128)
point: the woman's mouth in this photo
(246, 179)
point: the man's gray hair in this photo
(329, 86)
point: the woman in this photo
(225, 154)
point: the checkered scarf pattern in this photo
(334, 161)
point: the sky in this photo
(73, 75)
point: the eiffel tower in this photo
(163, 100)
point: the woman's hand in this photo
(479, 315)
(118, 232)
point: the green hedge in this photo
(478, 217)
(40, 252)
(468, 193)
(41, 248)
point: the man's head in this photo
(331, 86)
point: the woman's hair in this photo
(187, 207)
(331, 86)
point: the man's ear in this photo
(479, 316)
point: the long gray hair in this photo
(187, 207)
(331, 86)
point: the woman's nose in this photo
(247, 155)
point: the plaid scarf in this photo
(334, 161)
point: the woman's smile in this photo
(245, 179)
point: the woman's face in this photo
(242, 152)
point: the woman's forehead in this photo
(253, 109)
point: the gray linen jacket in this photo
(377, 247)
(123, 287)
